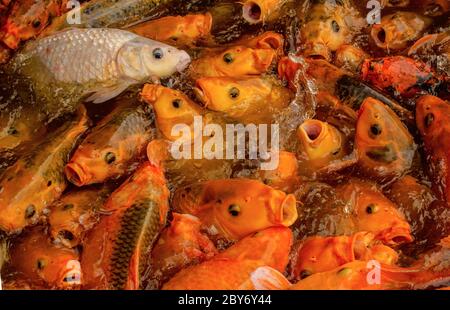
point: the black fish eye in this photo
(158, 53)
(40, 264)
(429, 118)
(12, 131)
(372, 208)
(375, 130)
(234, 210)
(176, 103)
(304, 274)
(36, 23)
(234, 93)
(68, 206)
(335, 26)
(30, 211)
(228, 58)
(67, 235)
(110, 157)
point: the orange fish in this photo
(234, 208)
(260, 11)
(180, 245)
(232, 268)
(116, 251)
(396, 30)
(375, 213)
(234, 61)
(320, 144)
(176, 30)
(171, 107)
(319, 254)
(74, 214)
(247, 100)
(39, 261)
(112, 148)
(267, 40)
(433, 122)
(384, 145)
(37, 179)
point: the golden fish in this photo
(37, 179)
(374, 213)
(321, 143)
(39, 261)
(116, 251)
(261, 11)
(285, 176)
(234, 61)
(267, 40)
(234, 208)
(74, 214)
(396, 30)
(246, 100)
(176, 30)
(112, 147)
(232, 268)
(384, 145)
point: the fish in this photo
(395, 31)
(350, 58)
(414, 200)
(373, 212)
(113, 147)
(319, 254)
(400, 76)
(110, 14)
(236, 61)
(28, 18)
(266, 40)
(177, 31)
(285, 177)
(116, 252)
(126, 59)
(41, 262)
(180, 245)
(261, 11)
(36, 180)
(432, 119)
(384, 145)
(327, 26)
(235, 208)
(74, 214)
(320, 144)
(171, 107)
(245, 100)
(232, 268)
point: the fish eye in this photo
(158, 53)
(12, 131)
(36, 23)
(371, 209)
(375, 130)
(228, 58)
(67, 235)
(234, 93)
(304, 274)
(335, 26)
(40, 264)
(429, 118)
(176, 103)
(30, 211)
(110, 157)
(234, 210)
(68, 206)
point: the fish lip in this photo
(288, 211)
(247, 13)
(374, 33)
(200, 94)
(185, 60)
(317, 51)
(76, 174)
(396, 235)
(306, 135)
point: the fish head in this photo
(238, 207)
(375, 213)
(320, 141)
(432, 114)
(267, 40)
(384, 145)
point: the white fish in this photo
(98, 61)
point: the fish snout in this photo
(317, 50)
(200, 93)
(76, 174)
(252, 12)
(264, 58)
(183, 62)
(397, 234)
(288, 212)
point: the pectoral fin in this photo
(268, 278)
(105, 93)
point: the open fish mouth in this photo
(200, 94)
(76, 174)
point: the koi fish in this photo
(260, 11)
(285, 176)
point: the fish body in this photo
(374, 213)
(102, 63)
(74, 214)
(384, 145)
(116, 251)
(432, 119)
(36, 180)
(232, 268)
(112, 147)
(40, 262)
(234, 208)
